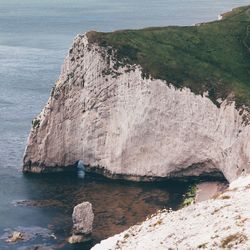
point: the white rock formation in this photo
(220, 223)
(83, 218)
(125, 126)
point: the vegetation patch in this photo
(225, 197)
(52, 91)
(212, 57)
(126, 236)
(202, 246)
(233, 239)
(158, 222)
(36, 123)
(189, 196)
(219, 209)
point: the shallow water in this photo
(34, 38)
(43, 205)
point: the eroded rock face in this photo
(123, 125)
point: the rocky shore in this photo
(219, 223)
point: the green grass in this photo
(213, 57)
(189, 197)
(36, 123)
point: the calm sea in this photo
(34, 38)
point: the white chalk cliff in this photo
(124, 125)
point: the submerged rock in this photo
(16, 236)
(25, 234)
(83, 218)
(36, 247)
(39, 203)
(74, 239)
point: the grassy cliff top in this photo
(213, 57)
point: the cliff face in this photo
(124, 125)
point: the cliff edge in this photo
(219, 223)
(131, 109)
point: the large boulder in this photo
(83, 218)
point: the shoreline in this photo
(207, 190)
(35, 169)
